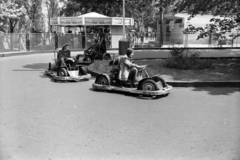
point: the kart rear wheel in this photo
(148, 85)
(106, 56)
(102, 80)
(78, 57)
(87, 58)
(62, 72)
(82, 70)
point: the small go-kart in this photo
(70, 72)
(93, 53)
(141, 84)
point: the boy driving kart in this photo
(63, 55)
(94, 50)
(128, 70)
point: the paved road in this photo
(44, 120)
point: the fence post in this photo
(186, 40)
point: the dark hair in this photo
(129, 51)
(100, 29)
(65, 45)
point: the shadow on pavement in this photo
(130, 95)
(217, 90)
(36, 66)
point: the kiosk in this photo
(87, 22)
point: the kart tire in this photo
(148, 85)
(106, 56)
(88, 58)
(78, 57)
(82, 70)
(98, 57)
(62, 72)
(102, 80)
(49, 66)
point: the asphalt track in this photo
(44, 120)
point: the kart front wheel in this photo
(106, 56)
(148, 85)
(102, 80)
(62, 72)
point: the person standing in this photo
(55, 39)
(102, 40)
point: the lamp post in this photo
(123, 43)
(124, 31)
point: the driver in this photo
(94, 49)
(63, 55)
(127, 69)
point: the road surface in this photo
(44, 120)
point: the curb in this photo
(193, 83)
(172, 83)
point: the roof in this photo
(93, 14)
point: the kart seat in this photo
(58, 50)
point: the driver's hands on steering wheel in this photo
(142, 67)
(71, 59)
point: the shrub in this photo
(181, 58)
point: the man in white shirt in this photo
(127, 69)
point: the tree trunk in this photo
(11, 30)
(161, 26)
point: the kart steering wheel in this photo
(70, 59)
(142, 68)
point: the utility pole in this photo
(123, 43)
(124, 31)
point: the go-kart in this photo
(141, 84)
(92, 54)
(69, 72)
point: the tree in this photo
(142, 11)
(10, 12)
(35, 15)
(53, 10)
(78, 7)
(228, 10)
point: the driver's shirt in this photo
(64, 54)
(125, 66)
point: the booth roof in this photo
(93, 14)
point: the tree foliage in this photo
(78, 7)
(228, 10)
(35, 15)
(142, 11)
(10, 13)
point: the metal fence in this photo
(48, 41)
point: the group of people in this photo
(75, 41)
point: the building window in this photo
(178, 21)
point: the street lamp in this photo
(124, 32)
(123, 43)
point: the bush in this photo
(181, 58)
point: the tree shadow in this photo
(218, 90)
